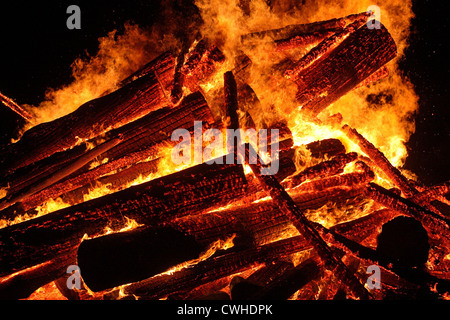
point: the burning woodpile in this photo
(336, 218)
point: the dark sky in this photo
(37, 50)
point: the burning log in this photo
(381, 73)
(320, 50)
(291, 281)
(348, 179)
(426, 196)
(303, 39)
(360, 55)
(302, 224)
(178, 80)
(139, 140)
(121, 258)
(42, 239)
(162, 66)
(93, 118)
(22, 284)
(360, 229)
(11, 104)
(231, 102)
(242, 289)
(296, 29)
(436, 224)
(213, 269)
(57, 176)
(201, 64)
(380, 160)
(325, 168)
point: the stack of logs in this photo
(191, 216)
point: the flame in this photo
(382, 111)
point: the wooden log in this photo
(302, 224)
(178, 80)
(231, 102)
(58, 175)
(380, 160)
(348, 179)
(22, 284)
(125, 257)
(11, 104)
(361, 228)
(201, 64)
(321, 49)
(435, 224)
(325, 168)
(381, 73)
(257, 223)
(334, 74)
(291, 281)
(292, 30)
(139, 141)
(214, 268)
(431, 193)
(42, 239)
(303, 40)
(163, 68)
(93, 118)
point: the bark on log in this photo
(93, 118)
(429, 194)
(381, 73)
(361, 228)
(42, 239)
(333, 75)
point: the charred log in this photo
(42, 239)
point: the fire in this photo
(382, 111)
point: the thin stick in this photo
(10, 103)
